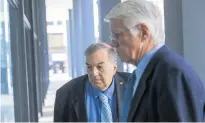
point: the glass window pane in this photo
(50, 23)
(7, 102)
(59, 22)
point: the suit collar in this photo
(79, 102)
(120, 88)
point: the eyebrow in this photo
(97, 63)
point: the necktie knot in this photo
(103, 98)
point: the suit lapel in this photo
(137, 98)
(143, 84)
(120, 93)
(78, 102)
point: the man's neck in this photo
(143, 51)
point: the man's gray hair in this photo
(99, 46)
(134, 12)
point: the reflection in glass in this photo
(6, 93)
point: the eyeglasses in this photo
(116, 36)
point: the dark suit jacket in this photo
(70, 99)
(169, 90)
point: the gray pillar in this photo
(87, 25)
(173, 25)
(78, 37)
(194, 34)
(72, 43)
(69, 46)
(83, 32)
(104, 7)
(184, 29)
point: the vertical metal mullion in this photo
(31, 63)
(36, 54)
(39, 53)
(44, 46)
(31, 74)
(19, 72)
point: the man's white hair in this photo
(134, 12)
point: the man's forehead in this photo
(115, 21)
(95, 63)
(116, 25)
(98, 57)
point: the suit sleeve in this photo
(180, 97)
(58, 109)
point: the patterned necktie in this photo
(106, 113)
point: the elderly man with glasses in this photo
(164, 87)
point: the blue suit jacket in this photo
(169, 90)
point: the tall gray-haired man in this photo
(164, 87)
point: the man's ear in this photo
(115, 68)
(145, 31)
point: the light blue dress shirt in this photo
(93, 103)
(134, 79)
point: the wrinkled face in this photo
(100, 70)
(127, 44)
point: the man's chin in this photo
(99, 87)
(123, 60)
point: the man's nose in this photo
(94, 72)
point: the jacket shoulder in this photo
(124, 74)
(166, 58)
(71, 85)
